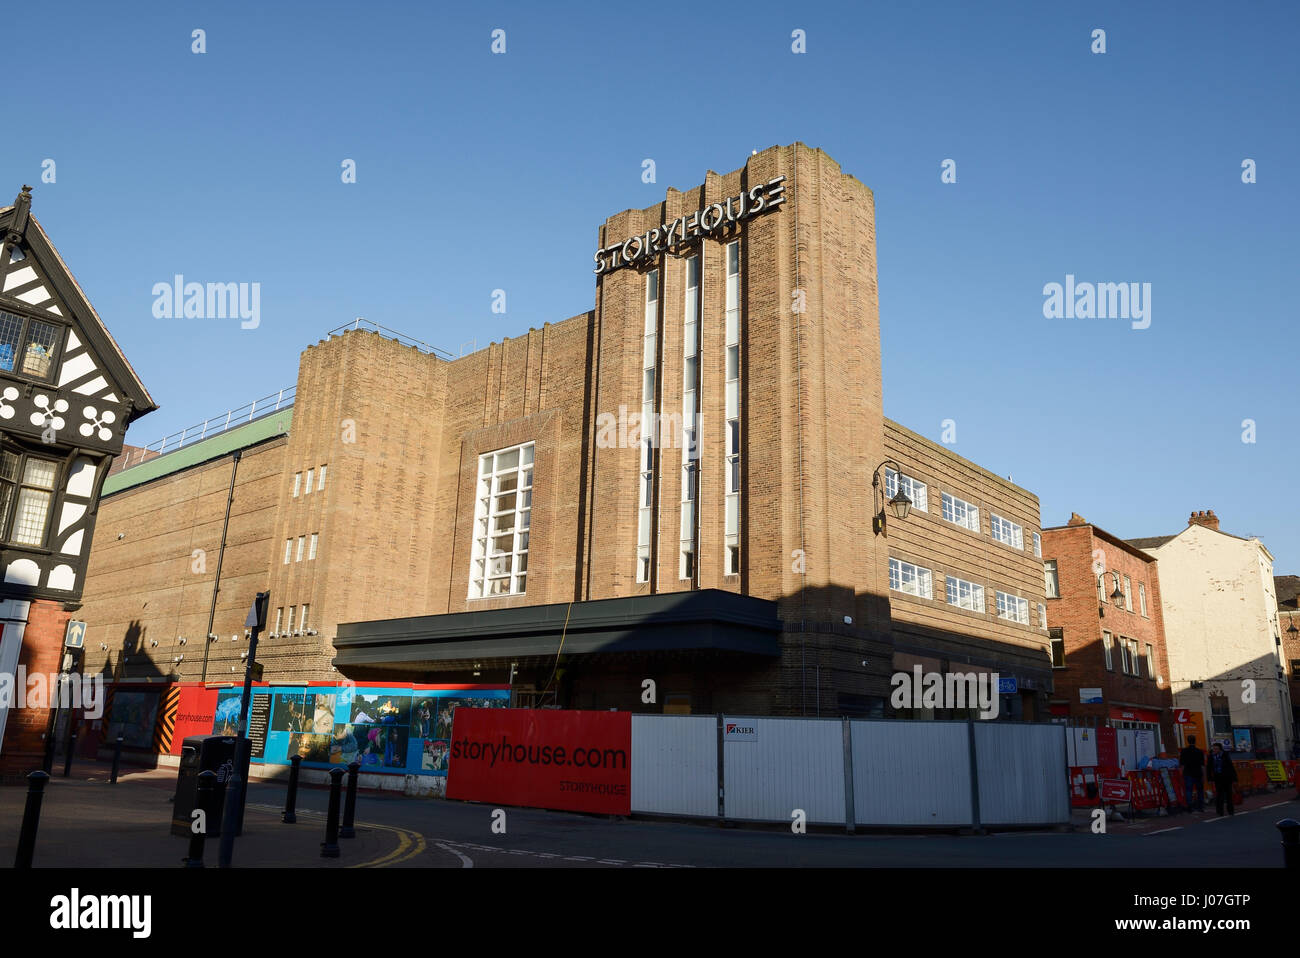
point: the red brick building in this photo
(1288, 614)
(67, 395)
(1108, 640)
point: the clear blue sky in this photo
(477, 172)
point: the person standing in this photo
(1224, 774)
(1192, 759)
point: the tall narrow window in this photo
(1142, 596)
(646, 483)
(311, 548)
(289, 622)
(1053, 580)
(731, 543)
(1151, 661)
(307, 486)
(302, 617)
(1107, 643)
(1128, 594)
(279, 617)
(690, 423)
(502, 517)
(302, 540)
(320, 479)
(1057, 638)
(288, 550)
(297, 483)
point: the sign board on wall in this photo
(543, 758)
(1090, 696)
(740, 731)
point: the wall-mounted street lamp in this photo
(1292, 630)
(1116, 597)
(899, 505)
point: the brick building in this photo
(67, 395)
(502, 516)
(1107, 630)
(1287, 589)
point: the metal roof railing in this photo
(361, 323)
(212, 426)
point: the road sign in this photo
(257, 612)
(1182, 716)
(75, 637)
(1116, 790)
(1007, 686)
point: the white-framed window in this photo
(914, 489)
(1142, 597)
(1013, 608)
(1151, 661)
(1038, 545)
(965, 595)
(731, 543)
(909, 578)
(302, 616)
(297, 483)
(1128, 594)
(1052, 579)
(311, 548)
(1126, 656)
(502, 516)
(1007, 532)
(646, 484)
(26, 493)
(1107, 645)
(1056, 638)
(320, 479)
(288, 550)
(690, 423)
(279, 617)
(961, 512)
(289, 622)
(1042, 616)
(307, 485)
(302, 541)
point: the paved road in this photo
(89, 823)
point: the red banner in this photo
(542, 758)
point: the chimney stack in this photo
(1077, 520)
(1207, 519)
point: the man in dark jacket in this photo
(1224, 775)
(1192, 759)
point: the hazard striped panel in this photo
(165, 728)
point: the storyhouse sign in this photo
(709, 221)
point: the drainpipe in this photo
(216, 583)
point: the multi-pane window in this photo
(1142, 597)
(1128, 594)
(26, 491)
(1013, 608)
(310, 475)
(288, 550)
(279, 617)
(311, 548)
(1057, 638)
(1151, 661)
(302, 541)
(909, 578)
(965, 595)
(302, 616)
(502, 515)
(1007, 532)
(1042, 616)
(1053, 580)
(297, 483)
(731, 544)
(28, 346)
(1220, 715)
(690, 436)
(1135, 654)
(961, 512)
(1106, 644)
(914, 489)
(649, 362)
(289, 622)
(320, 479)
(1127, 665)
(1038, 545)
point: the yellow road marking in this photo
(409, 843)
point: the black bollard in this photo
(67, 759)
(203, 801)
(31, 819)
(117, 759)
(350, 806)
(330, 847)
(291, 799)
(1290, 830)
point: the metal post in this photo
(117, 760)
(350, 806)
(67, 759)
(203, 801)
(1290, 830)
(291, 798)
(31, 819)
(850, 804)
(330, 847)
(974, 778)
(221, 555)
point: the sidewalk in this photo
(88, 823)
(1152, 821)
